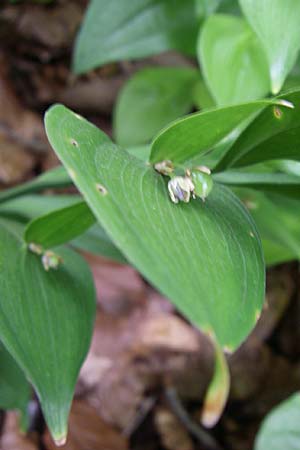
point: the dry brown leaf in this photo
(87, 431)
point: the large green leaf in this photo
(233, 61)
(150, 100)
(122, 29)
(196, 134)
(280, 429)
(274, 134)
(46, 321)
(206, 257)
(59, 226)
(15, 391)
(276, 23)
(281, 183)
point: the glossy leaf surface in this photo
(206, 257)
(196, 134)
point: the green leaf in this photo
(122, 29)
(274, 134)
(196, 134)
(59, 226)
(15, 391)
(205, 8)
(229, 7)
(280, 429)
(285, 166)
(202, 97)
(276, 23)
(218, 390)
(151, 99)
(46, 321)
(95, 240)
(281, 183)
(55, 178)
(29, 207)
(214, 275)
(233, 62)
(276, 253)
(141, 152)
(277, 219)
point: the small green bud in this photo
(203, 182)
(180, 189)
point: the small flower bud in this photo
(50, 260)
(180, 189)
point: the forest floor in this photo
(143, 383)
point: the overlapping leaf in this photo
(276, 23)
(284, 184)
(151, 99)
(46, 321)
(59, 226)
(206, 257)
(233, 61)
(196, 134)
(274, 134)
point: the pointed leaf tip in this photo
(218, 390)
(60, 441)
